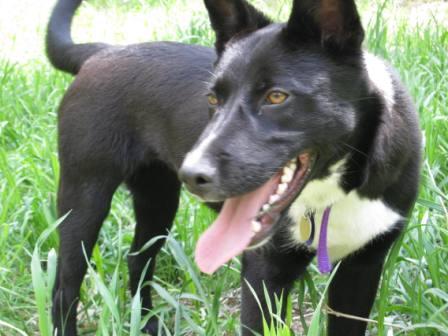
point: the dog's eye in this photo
(276, 97)
(212, 99)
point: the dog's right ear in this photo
(230, 18)
(334, 23)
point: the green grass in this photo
(414, 293)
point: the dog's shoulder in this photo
(395, 154)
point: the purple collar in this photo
(323, 260)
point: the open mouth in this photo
(247, 220)
(290, 182)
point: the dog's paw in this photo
(152, 327)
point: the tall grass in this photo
(413, 299)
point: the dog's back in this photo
(133, 98)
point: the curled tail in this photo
(61, 51)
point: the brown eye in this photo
(212, 99)
(276, 97)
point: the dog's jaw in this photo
(248, 220)
(292, 179)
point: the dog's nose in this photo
(199, 178)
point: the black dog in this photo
(313, 143)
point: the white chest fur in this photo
(353, 222)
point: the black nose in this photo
(199, 179)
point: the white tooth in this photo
(287, 175)
(287, 170)
(273, 199)
(292, 166)
(282, 188)
(256, 226)
(266, 207)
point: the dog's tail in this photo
(62, 52)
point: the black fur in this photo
(336, 24)
(134, 112)
(62, 52)
(232, 18)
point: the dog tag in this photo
(305, 228)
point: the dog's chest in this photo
(353, 221)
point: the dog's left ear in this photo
(334, 23)
(230, 18)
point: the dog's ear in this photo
(334, 23)
(233, 17)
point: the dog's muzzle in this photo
(200, 177)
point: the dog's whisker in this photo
(354, 148)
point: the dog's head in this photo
(284, 104)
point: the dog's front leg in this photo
(354, 286)
(275, 269)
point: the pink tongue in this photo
(231, 233)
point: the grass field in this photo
(413, 299)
